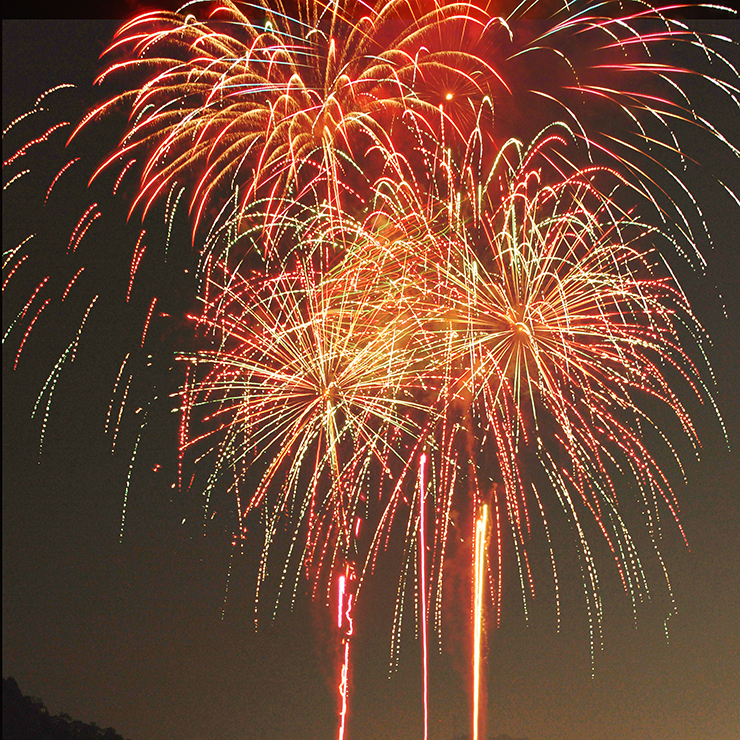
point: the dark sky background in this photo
(130, 633)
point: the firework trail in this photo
(423, 593)
(345, 623)
(479, 570)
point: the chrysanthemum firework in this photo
(305, 393)
(268, 101)
(558, 339)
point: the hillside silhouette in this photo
(26, 718)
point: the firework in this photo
(423, 592)
(257, 103)
(281, 104)
(521, 341)
(305, 384)
(414, 244)
(481, 537)
(564, 334)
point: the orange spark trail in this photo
(340, 601)
(423, 591)
(480, 562)
(346, 622)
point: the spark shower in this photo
(434, 249)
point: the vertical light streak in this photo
(343, 690)
(480, 563)
(423, 594)
(340, 606)
(345, 619)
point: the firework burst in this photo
(305, 385)
(426, 239)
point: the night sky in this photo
(130, 633)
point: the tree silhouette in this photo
(26, 718)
